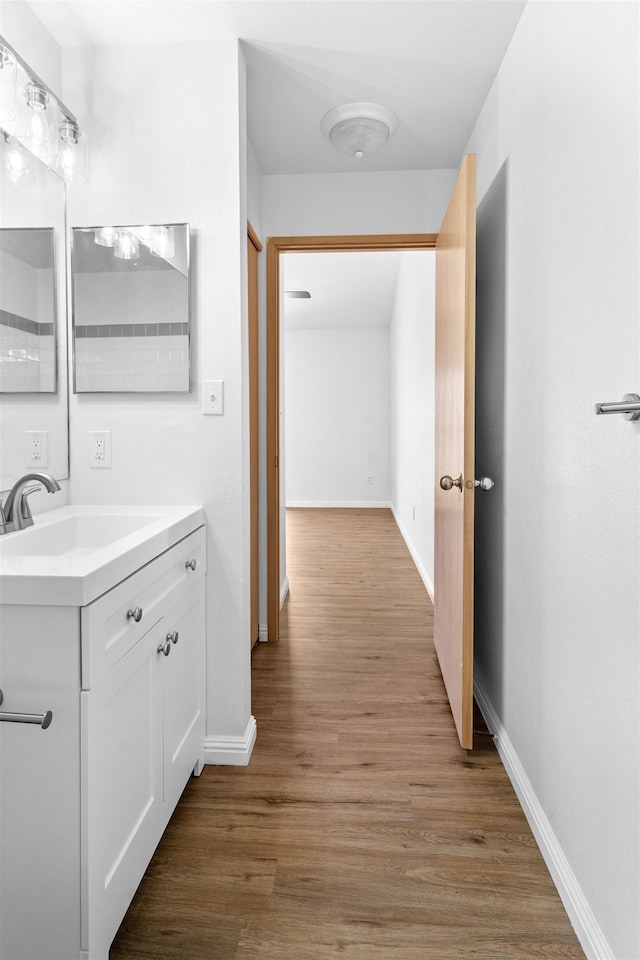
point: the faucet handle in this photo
(24, 503)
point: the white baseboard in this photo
(231, 751)
(263, 632)
(284, 590)
(587, 928)
(339, 504)
(426, 579)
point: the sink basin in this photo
(78, 534)
(74, 554)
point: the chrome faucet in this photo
(16, 513)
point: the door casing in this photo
(275, 247)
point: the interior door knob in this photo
(447, 482)
(485, 483)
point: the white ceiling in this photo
(430, 61)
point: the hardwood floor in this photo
(360, 829)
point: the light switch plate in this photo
(212, 397)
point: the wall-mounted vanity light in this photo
(30, 114)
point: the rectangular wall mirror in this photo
(33, 384)
(131, 308)
(27, 310)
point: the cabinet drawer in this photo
(114, 623)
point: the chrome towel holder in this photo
(629, 407)
(43, 719)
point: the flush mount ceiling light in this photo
(357, 129)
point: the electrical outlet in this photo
(369, 480)
(212, 397)
(100, 448)
(37, 453)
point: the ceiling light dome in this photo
(357, 129)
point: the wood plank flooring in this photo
(360, 829)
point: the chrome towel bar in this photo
(629, 407)
(43, 719)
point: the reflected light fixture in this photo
(106, 236)
(358, 129)
(126, 246)
(8, 73)
(15, 168)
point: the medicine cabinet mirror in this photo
(33, 385)
(131, 308)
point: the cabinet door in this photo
(183, 694)
(121, 787)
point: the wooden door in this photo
(455, 449)
(253, 249)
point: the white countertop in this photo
(83, 572)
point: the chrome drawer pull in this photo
(191, 564)
(42, 719)
(135, 614)
(173, 636)
(165, 648)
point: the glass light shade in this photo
(8, 74)
(71, 159)
(126, 247)
(162, 243)
(15, 165)
(106, 236)
(357, 129)
(36, 121)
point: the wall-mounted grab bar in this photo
(43, 719)
(629, 407)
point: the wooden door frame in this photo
(253, 241)
(275, 247)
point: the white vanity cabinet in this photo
(84, 803)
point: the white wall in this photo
(336, 398)
(163, 449)
(316, 204)
(557, 633)
(412, 337)
(410, 201)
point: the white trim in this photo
(340, 504)
(263, 633)
(426, 579)
(284, 590)
(231, 751)
(585, 924)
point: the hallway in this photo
(360, 829)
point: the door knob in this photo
(447, 482)
(165, 648)
(485, 483)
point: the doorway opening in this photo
(277, 247)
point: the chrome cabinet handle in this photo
(135, 614)
(165, 648)
(42, 719)
(447, 482)
(174, 636)
(629, 407)
(191, 564)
